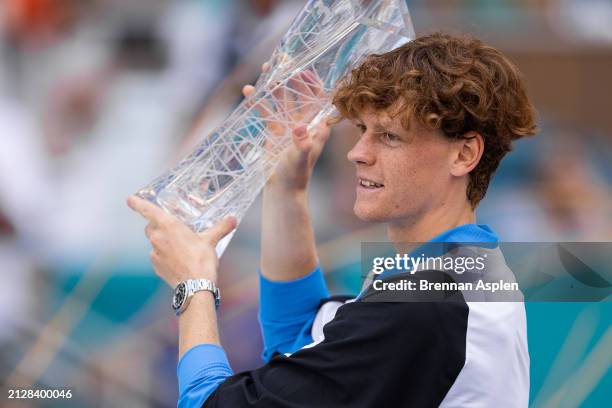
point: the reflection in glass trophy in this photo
(228, 169)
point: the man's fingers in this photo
(148, 210)
(301, 139)
(314, 82)
(305, 101)
(310, 85)
(220, 229)
(262, 106)
(279, 93)
(248, 90)
(321, 132)
(149, 231)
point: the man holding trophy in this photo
(436, 116)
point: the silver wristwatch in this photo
(185, 290)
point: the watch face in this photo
(179, 296)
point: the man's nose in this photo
(363, 151)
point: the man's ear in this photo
(467, 153)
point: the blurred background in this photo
(97, 97)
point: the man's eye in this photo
(361, 127)
(389, 137)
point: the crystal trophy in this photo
(227, 170)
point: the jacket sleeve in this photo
(199, 372)
(374, 354)
(287, 311)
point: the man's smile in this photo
(368, 184)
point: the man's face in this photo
(401, 174)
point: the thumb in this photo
(301, 139)
(220, 229)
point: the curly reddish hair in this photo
(456, 84)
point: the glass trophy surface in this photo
(227, 170)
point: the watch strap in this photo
(198, 285)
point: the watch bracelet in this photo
(197, 285)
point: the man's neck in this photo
(433, 223)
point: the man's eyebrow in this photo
(377, 127)
(380, 127)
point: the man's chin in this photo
(368, 215)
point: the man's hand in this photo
(288, 249)
(179, 253)
(295, 166)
